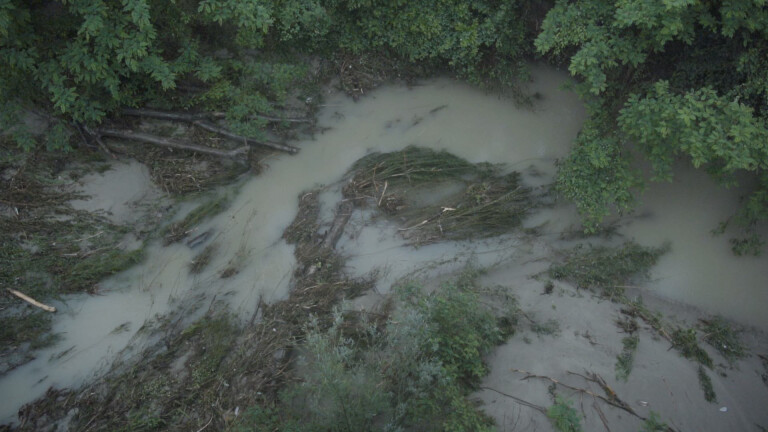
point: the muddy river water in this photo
(699, 270)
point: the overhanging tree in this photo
(82, 61)
(667, 80)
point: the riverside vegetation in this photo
(255, 69)
(310, 363)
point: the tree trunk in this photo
(200, 121)
(167, 142)
(343, 213)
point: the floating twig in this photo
(538, 408)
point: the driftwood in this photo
(611, 398)
(200, 121)
(272, 119)
(167, 142)
(538, 408)
(343, 213)
(188, 117)
(32, 301)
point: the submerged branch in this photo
(343, 213)
(165, 115)
(538, 408)
(611, 397)
(200, 120)
(226, 133)
(167, 142)
(272, 119)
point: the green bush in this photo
(413, 374)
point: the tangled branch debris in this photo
(610, 397)
(202, 375)
(199, 120)
(488, 204)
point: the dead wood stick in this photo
(343, 213)
(81, 128)
(32, 301)
(614, 399)
(199, 120)
(600, 413)
(273, 119)
(386, 183)
(538, 408)
(188, 117)
(233, 136)
(610, 401)
(162, 115)
(167, 142)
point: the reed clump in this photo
(606, 269)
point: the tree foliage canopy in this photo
(665, 79)
(83, 60)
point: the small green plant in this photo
(606, 268)
(706, 385)
(685, 341)
(564, 416)
(654, 424)
(722, 337)
(549, 328)
(626, 359)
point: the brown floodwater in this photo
(470, 123)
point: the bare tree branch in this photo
(167, 142)
(200, 121)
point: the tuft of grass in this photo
(177, 231)
(202, 259)
(549, 328)
(654, 424)
(722, 337)
(564, 416)
(686, 342)
(85, 274)
(706, 385)
(626, 359)
(604, 268)
(28, 325)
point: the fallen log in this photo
(343, 213)
(225, 133)
(162, 115)
(167, 142)
(272, 119)
(200, 121)
(538, 408)
(188, 117)
(32, 301)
